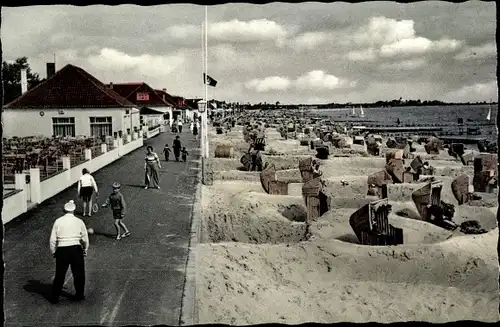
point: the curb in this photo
(189, 309)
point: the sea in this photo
(445, 116)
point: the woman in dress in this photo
(86, 187)
(152, 166)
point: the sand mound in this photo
(334, 281)
(256, 218)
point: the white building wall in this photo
(153, 119)
(29, 122)
(133, 118)
(190, 114)
(166, 110)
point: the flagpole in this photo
(202, 129)
(206, 84)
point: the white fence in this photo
(152, 133)
(37, 191)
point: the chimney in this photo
(165, 91)
(111, 85)
(51, 69)
(24, 81)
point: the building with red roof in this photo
(70, 102)
(153, 102)
(156, 106)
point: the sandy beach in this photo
(256, 263)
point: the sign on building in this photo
(142, 96)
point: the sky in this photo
(301, 53)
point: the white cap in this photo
(70, 206)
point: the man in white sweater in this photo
(69, 242)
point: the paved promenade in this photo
(136, 280)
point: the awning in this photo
(153, 111)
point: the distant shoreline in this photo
(356, 105)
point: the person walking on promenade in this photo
(179, 125)
(166, 152)
(184, 154)
(86, 187)
(177, 147)
(191, 126)
(151, 167)
(196, 128)
(69, 243)
(117, 203)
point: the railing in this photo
(8, 179)
(45, 181)
(47, 172)
(96, 151)
(77, 157)
(125, 139)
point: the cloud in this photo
(111, 59)
(319, 80)
(473, 93)
(252, 31)
(272, 83)
(233, 31)
(396, 38)
(418, 46)
(316, 80)
(404, 64)
(184, 32)
(308, 40)
(368, 55)
(381, 30)
(484, 51)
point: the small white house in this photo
(70, 103)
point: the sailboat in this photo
(361, 112)
(488, 117)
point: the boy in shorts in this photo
(118, 206)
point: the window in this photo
(63, 126)
(142, 96)
(101, 126)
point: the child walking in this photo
(118, 206)
(184, 154)
(166, 152)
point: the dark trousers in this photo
(177, 153)
(65, 257)
(166, 157)
(180, 128)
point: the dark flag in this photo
(209, 80)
